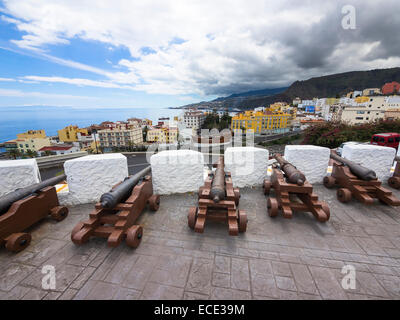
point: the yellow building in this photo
(260, 121)
(70, 133)
(362, 99)
(162, 135)
(331, 101)
(31, 134)
(33, 144)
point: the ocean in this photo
(15, 120)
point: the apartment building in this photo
(372, 110)
(32, 134)
(122, 135)
(32, 144)
(163, 134)
(193, 119)
(70, 133)
(260, 122)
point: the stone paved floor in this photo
(275, 259)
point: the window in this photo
(381, 139)
(391, 140)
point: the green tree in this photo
(31, 154)
(14, 153)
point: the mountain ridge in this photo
(316, 87)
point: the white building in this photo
(193, 119)
(59, 149)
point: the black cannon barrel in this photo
(293, 175)
(217, 192)
(356, 169)
(7, 200)
(122, 191)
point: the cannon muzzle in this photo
(358, 170)
(217, 192)
(7, 200)
(122, 191)
(293, 175)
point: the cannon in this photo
(292, 175)
(24, 207)
(218, 201)
(292, 193)
(394, 181)
(356, 181)
(115, 214)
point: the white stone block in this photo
(177, 171)
(16, 174)
(247, 165)
(311, 160)
(377, 158)
(90, 176)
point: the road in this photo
(136, 162)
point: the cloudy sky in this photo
(153, 53)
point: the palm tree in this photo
(14, 153)
(31, 154)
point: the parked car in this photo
(386, 140)
(340, 148)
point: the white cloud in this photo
(228, 46)
(77, 81)
(34, 94)
(7, 80)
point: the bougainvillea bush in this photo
(332, 134)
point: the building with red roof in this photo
(391, 87)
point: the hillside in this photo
(325, 86)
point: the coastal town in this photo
(133, 134)
(199, 154)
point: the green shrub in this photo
(332, 134)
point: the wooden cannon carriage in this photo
(357, 181)
(292, 193)
(24, 207)
(115, 215)
(394, 181)
(218, 201)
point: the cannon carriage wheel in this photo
(326, 209)
(273, 207)
(394, 182)
(154, 202)
(192, 217)
(237, 195)
(18, 241)
(329, 182)
(343, 195)
(59, 213)
(134, 236)
(267, 187)
(242, 221)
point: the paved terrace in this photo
(275, 259)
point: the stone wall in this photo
(377, 158)
(177, 171)
(311, 160)
(248, 165)
(91, 176)
(16, 174)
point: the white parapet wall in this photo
(16, 174)
(311, 160)
(90, 176)
(247, 165)
(177, 171)
(377, 158)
